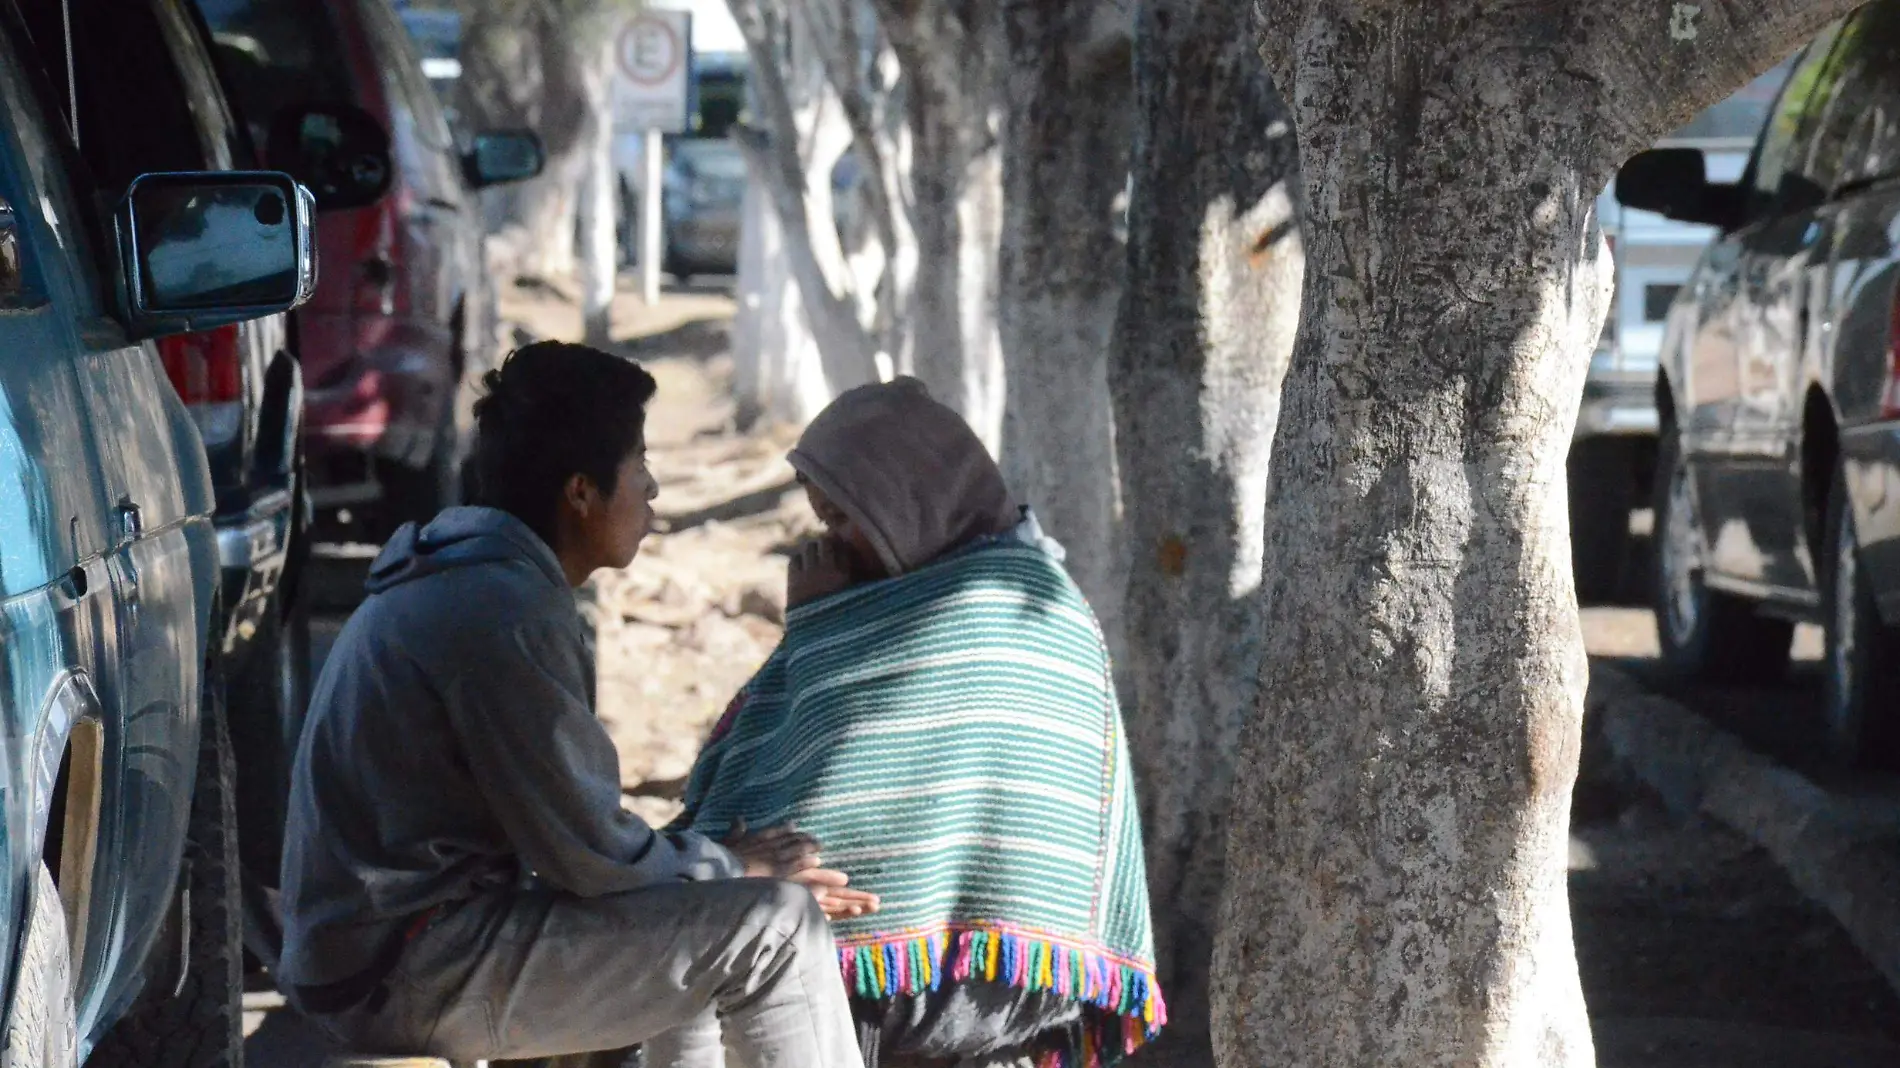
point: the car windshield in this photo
(709, 158)
(276, 54)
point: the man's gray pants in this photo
(539, 974)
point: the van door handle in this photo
(131, 529)
(131, 520)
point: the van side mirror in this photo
(1672, 183)
(338, 150)
(198, 251)
(503, 156)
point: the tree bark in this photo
(1396, 879)
(950, 52)
(1065, 162)
(1202, 342)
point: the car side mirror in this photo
(503, 156)
(337, 150)
(199, 251)
(1672, 183)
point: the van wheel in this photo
(1706, 635)
(1860, 692)
(41, 1021)
(203, 1026)
(1602, 486)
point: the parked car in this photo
(704, 186)
(402, 320)
(699, 208)
(1778, 482)
(1613, 453)
(119, 850)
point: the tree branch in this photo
(1664, 63)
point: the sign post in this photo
(652, 79)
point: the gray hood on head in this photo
(460, 537)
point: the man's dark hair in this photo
(551, 411)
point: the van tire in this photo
(202, 1027)
(41, 1022)
(1706, 635)
(1860, 670)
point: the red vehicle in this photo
(403, 312)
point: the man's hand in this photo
(774, 853)
(839, 901)
(820, 568)
(784, 853)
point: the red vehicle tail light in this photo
(1890, 393)
(206, 367)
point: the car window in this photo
(1865, 114)
(36, 112)
(1864, 61)
(277, 54)
(1781, 155)
(138, 113)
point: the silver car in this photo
(1614, 448)
(703, 189)
(1778, 480)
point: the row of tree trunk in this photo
(1353, 677)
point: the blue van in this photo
(118, 867)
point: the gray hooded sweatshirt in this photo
(452, 751)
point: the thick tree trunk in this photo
(1065, 161)
(1205, 331)
(951, 54)
(1396, 882)
(1396, 876)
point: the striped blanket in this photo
(953, 740)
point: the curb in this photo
(1843, 855)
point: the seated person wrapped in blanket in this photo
(940, 715)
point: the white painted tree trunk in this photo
(1396, 867)
(805, 133)
(779, 374)
(952, 58)
(1065, 164)
(599, 258)
(1202, 343)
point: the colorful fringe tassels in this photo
(1131, 1014)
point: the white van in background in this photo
(1613, 452)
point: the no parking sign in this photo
(652, 72)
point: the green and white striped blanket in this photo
(952, 739)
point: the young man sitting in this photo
(460, 879)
